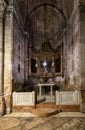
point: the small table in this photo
(46, 84)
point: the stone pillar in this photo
(82, 53)
(53, 65)
(40, 90)
(82, 103)
(8, 58)
(51, 90)
(2, 7)
(1, 49)
(29, 57)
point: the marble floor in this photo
(28, 121)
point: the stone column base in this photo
(2, 106)
(8, 102)
(82, 104)
(82, 107)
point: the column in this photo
(1, 50)
(1, 59)
(8, 58)
(40, 90)
(51, 90)
(82, 103)
(82, 53)
(53, 65)
(29, 55)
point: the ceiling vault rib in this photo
(51, 5)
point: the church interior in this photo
(42, 54)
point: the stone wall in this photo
(13, 54)
(19, 50)
(82, 44)
(72, 52)
(2, 8)
(82, 54)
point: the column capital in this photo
(81, 2)
(2, 8)
(2, 2)
(9, 9)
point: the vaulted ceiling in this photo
(45, 19)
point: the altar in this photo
(46, 86)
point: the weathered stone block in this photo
(8, 104)
(2, 106)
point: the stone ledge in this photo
(46, 109)
(44, 112)
(70, 108)
(22, 108)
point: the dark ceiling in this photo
(45, 19)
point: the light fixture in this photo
(45, 63)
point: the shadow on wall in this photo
(27, 86)
(30, 85)
(56, 87)
(17, 87)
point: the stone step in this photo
(46, 105)
(44, 112)
(45, 109)
(45, 99)
(41, 109)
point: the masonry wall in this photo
(82, 44)
(19, 51)
(2, 8)
(13, 46)
(72, 52)
(82, 53)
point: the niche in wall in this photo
(47, 67)
(46, 64)
(33, 65)
(58, 65)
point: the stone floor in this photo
(28, 121)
